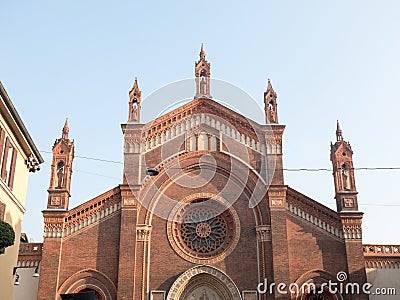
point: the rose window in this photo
(203, 230)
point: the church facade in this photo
(202, 212)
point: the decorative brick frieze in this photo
(263, 233)
(30, 254)
(191, 126)
(352, 232)
(381, 250)
(382, 256)
(92, 212)
(199, 107)
(316, 221)
(143, 232)
(351, 225)
(53, 230)
(314, 212)
(53, 223)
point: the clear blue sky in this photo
(327, 61)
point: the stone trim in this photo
(183, 280)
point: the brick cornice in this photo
(92, 211)
(315, 213)
(382, 256)
(30, 254)
(91, 204)
(312, 205)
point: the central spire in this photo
(202, 73)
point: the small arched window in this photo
(270, 105)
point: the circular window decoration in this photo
(204, 229)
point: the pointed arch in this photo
(314, 279)
(89, 279)
(204, 275)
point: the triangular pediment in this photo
(62, 144)
(342, 147)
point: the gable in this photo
(204, 107)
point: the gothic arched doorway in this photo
(203, 283)
(205, 287)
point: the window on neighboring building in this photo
(8, 159)
(2, 210)
(11, 168)
(2, 138)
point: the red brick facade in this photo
(132, 242)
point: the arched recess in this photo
(204, 278)
(246, 177)
(315, 279)
(89, 279)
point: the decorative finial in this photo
(270, 105)
(135, 91)
(339, 136)
(270, 89)
(65, 130)
(202, 52)
(135, 97)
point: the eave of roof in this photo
(19, 125)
